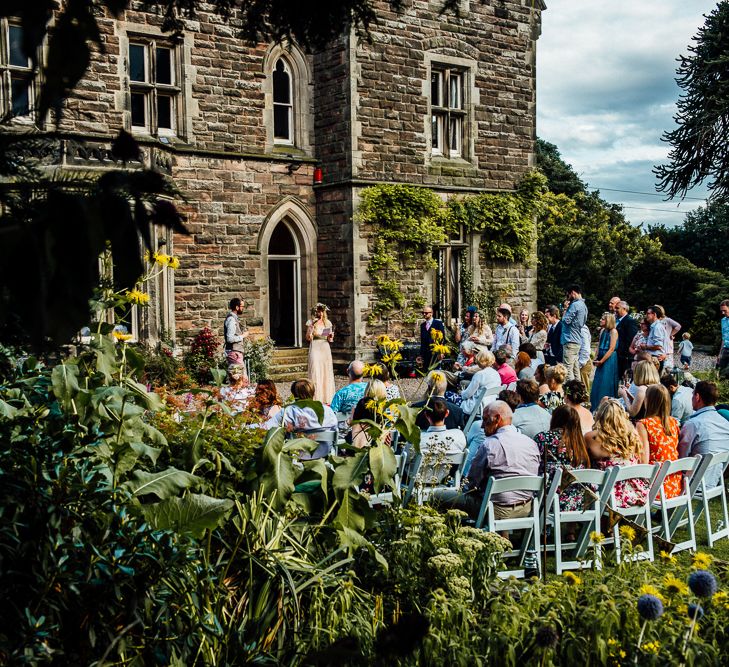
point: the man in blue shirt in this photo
(657, 343)
(705, 431)
(722, 361)
(348, 396)
(574, 318)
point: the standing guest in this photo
(506, 306)
(645, 374)
(234, 334)
(672, 328)
(436, 386)
(574, 318)
(639, 340)
(658, 433)
(506, 332)
(722, 361)
(487, 377)
(479, 333)
(501, 364)
(612, 306)
(614, 442)
(681, 397)
(265, 402)
(657, 343)
(685, 350)
(524, 326)
(565, 447)
(627, 329)
(553, 346)
(438, 441)
(320, 333)
(705, 431)
(523, 366)
(295, 418)
(427, 327)
(538, 335)
(460, 334)
(346, 398)
(586, 366)
(530, 418)
(605, 382)
(575, 395)
(555, 377)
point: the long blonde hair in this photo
(645, 373)
(480, 329)
(658, 404)
(614, 430)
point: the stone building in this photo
(271, 148)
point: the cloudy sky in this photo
(606, 93)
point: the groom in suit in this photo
(553, 348)
(627, 328)
(426, 338)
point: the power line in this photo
(635, 192)
(659, 210)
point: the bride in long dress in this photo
(319, 333)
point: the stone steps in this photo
(289, 364)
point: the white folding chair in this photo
(423, 479)
(641, 514)
(681, 503)
(327, 440)
(588, 517)
(707, 493)
(529, 524)
(476, 411)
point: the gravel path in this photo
(414, 389)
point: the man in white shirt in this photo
(506, 333)
(583, 358)
(657, 343)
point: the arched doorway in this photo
(284, 286)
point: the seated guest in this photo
(523, 366)
(466, 363)
(376, 392)
(501, 364)
(705, 430)
(346, 398)
(504, 453)
(436, 385)
(486, 377)
(236, 394)
(565, 447)
(294, 418)
(575, 395)
(658, 433)
(265, 402)
(681, 397)
(530, 418)
(511, 398)
(381, 372)
(614, 442)
(555, 377)
(438, 441)
(645, 374)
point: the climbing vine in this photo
(410, 222)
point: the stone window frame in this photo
(466, 68)
(301, 83)
(150, 36)
(12, 72)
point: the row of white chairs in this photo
(680, 511)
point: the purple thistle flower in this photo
(650, 607)
(695, 611)
(702, 583)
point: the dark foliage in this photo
(562, 178)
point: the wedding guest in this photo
(530, 418)
(538, 335)
(555, 377)
(645, 374)
(479, 333)
(265, 402)
(295, 418)
(605, 382)
(575, 395)
(319, 334)
(501, 364)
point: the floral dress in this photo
(664, 447)
(551, 400)
(570, 499)
(631, 492)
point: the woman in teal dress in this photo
(605, 382)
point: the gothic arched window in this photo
(283, 103)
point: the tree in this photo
(700, 143)
(560, 175)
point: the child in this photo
(685, 349)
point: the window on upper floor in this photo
(283, 103)
(448, 111)
(154, 86)
(17, 87)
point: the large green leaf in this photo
(150, 399)
(383, 465)
(218, 376)
(351, 539)
(319, 467)
(192, 514)
(152, 453)
(316, 406)
(64, 379)
(7, 410)
(352, 510)
(278, 469)
(349, 473)
(165, 484)
(406, 425)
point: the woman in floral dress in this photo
(614, 442)
(658, 432)
(565, 448)
(555, 377)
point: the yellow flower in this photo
(174, 262)
(370, 370)
(572, 578)
(596, 537)
(612, 642)
(383, 339)
(665, 556)
(674, 586)
(119, 335)
(701, 560)
(436, 336)
(161, 259)
(135, 296)
(721, 596)
(648, 589)
(627, 533)
(651, 647)
(437, 348)
(622, 653)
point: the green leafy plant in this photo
(259, 353)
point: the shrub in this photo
(259, 353)
(203, 356)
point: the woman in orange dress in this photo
(658, 432)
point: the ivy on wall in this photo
(410, 222)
